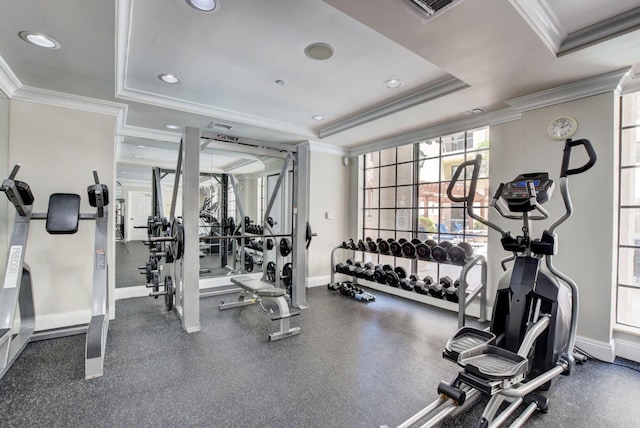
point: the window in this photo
(405, 196)
(628, 306)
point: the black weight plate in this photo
(373, 247)
(285, 247)
(409, 250)
(168, 288)
(396, 249)
(287, 274)
(439, 254)
(270, 244)
(393, 279)
(248, 262)
(358, 272)
(362, 246)
(177, 233)
(156, 284)
(368, 238)
(352, 244)
(423, 251)
(402, 273)
(416, 241)
(343, 245)
(390, 240)
(379, 276)
(457, 255)
(350, 261)
(384, 247)
(271, 272)
(387, 268)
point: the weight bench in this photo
(256, 291)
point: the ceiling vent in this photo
(430, 8)
(219, 126)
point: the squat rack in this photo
(187, 178)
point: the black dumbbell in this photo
(384, 247)
(423, 251)
(460, 252)
(422, 287)
(408, 283)
(362, 246)
(386, 268)
(372, 245)
(339, 267)
(439, 252)
(396, 248)
(379, 275)
(393, 279)
(439, 289)
(453, 293)
(402, 273)
(409, 249)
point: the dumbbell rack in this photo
(460, 307)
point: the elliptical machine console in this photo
(531, 338)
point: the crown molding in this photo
(316, 146)
(9, 82)
(601, 31)
(542, 21)
(477, 121)
(415, 98)
(77, 102)
(149, 134)
(570, 92)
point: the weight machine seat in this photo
(260, 288)
(63, 213)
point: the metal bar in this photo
(245, 143)
(424, 412)
(176, 180)
(300, 218)
(444, 412)
(190, 216)
(276, 189)
(506, 413)
(521, 391)
(526, 414)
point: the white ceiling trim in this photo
(419, 97)
(484, 119)
(149, 134)
(542, 21)
(77, 102)
(569, 92)
(601, 31)
(316, 146)
(9, 82)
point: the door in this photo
(139, 211)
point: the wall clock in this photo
(562, 128)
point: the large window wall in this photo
(628, 307)
(405, 196)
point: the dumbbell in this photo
(439, 289)
(379, 275)
(439, 252)
(396, 248)
(409, 283)
(352, 244)
(409, 249)
(372, 245)
(384, 247)
(362, 246)
(422, 287)
(340, 267)
(423, 251)
(453, 293)
(460, 252)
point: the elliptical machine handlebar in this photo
(468, 199)
(566, 157)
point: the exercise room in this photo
(320, 213)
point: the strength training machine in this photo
(531, 339)
(16, 294)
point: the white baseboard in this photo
(627, 349)
(318, 281)
(67, 319)
(601, 350)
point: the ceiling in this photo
(244, 65)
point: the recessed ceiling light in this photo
(393, 83)
(319, 51)
(137, 156)
(39, 39)
(318, 117)
(170, 126)
(281, 82)
(203, 5)
(141, 146)
(168, 78)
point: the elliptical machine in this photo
(532, 334)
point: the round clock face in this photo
(562, 128)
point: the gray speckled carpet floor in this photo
(353, 365)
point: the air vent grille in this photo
(222, 126)
(432, 7)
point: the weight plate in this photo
(384, 247)
(285, 247)
(457, 255)
(362, 246)
(379, 276)
(446, 245)
(271, 272)
(423, 251)
(416, 241)
(373, 247)
(393, 279)
(169, 291)
(387, 268)
(248, 262)
(270, 244)
(177, 233)
(156, 284)
(439, 254)
(401, 241)
(287, 274)
(468, 249)
(431, 243)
